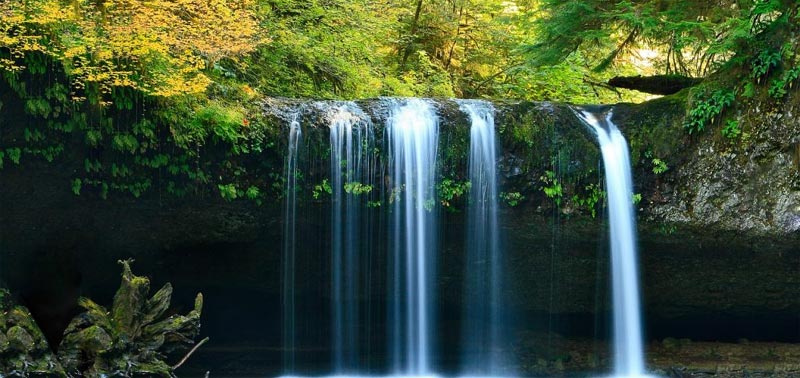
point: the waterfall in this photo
(412, 139)
(407, 190)
(289, 243)
(481, 336)
(628, 349)
(350, 144)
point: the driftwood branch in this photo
(658, 84)
(186, 357)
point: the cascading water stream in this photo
(628, 348)
(289, 243)
(481, 336)
(351, 142)
(413, 138)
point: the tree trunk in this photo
(413, 33)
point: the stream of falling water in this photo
(413, 131)
(628, 349)
(481, 318)
(351, 143)
(289, 243)
(409, 183)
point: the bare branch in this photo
(186, 357)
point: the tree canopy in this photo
(684, 37)
(158, 47)
(532, 49)
(131, 76)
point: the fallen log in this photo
(658, 84)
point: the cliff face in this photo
(720, 206)
(748, 185)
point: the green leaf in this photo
(252, 192)
(228, 191)
(14, 154)
(76, 186)
(659, 166)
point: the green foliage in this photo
(691, 37)
(123, 98)
(76, 186)
(781, 85)
(135, 188)
(552, 188)
(637, 197)
(14, 154)
(38, 106)
(125, 143)
(731, 129)
(763, 63)
(450, 191)
(323, 187)
(427, 78)
(142, 139)
(667, 229)
(356, 188)
(706, 108)
(120, 171)
(570, 80)
(320, 49)
(749, 90)
(157, 48)
(253, 193)
(228, 191)
(157, 161)
(49, 153)
(354, 49)
(93, 138)
(197, 121)
(593, 195)
(512, 199)
(155, 110)
(32, 135)
(659, 166)
(132, 81)
(223, 122)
